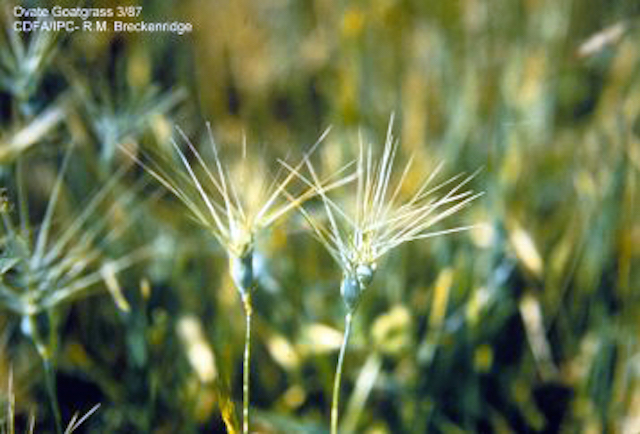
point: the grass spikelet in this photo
(360, 233)
(211, 191)
(376, 221)
(43, 267)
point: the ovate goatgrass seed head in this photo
(360, 233)
(45, 266)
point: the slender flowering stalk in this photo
(248, 311)
(41, 269)
(359, 234)
(235, 206)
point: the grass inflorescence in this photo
(375, 222)
(45, 266)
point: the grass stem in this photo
(50, 380)
(335, 404)
(44, 350)
(248, 310)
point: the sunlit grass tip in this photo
(43, 266)
(376, 219)
(235, 203)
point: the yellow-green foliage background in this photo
(528, 324)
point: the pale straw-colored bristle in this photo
(358, 234)
(234, 212)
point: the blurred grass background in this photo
(529, 324)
